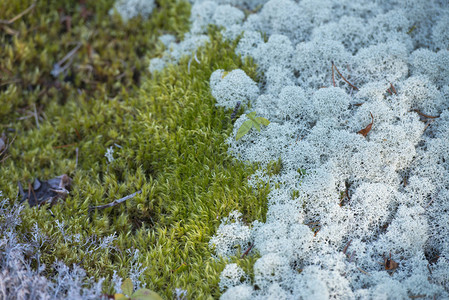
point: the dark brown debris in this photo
(367, 129)
(50, 191)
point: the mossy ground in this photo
(171, 138)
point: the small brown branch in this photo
(428, 204)
(333, 77)
(4, 158)
(247, 251)
(417, 296)
(9, 30)
(8, 22)
(427, 125)
(424, 115)
(8, 145)
(78, 134)
(116, 202)
(347, 246)
(393, 89)
(351, 257)
(336, 69)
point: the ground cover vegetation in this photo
(356, 93)
(74, 86)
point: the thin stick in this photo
(361, 270)
(247, 251)
(428, 204)
(71, 53)
(424, 115)
(78, 134)
(76, 159)
(115, 202)
(427, 125)
(57, 68)
(7, 145)
(336, 69)
(36, 117)
(4, 158)
(333, 77)
(352, 256)
(417, 296)
(394, 90)
(7, 22)
(346, 247)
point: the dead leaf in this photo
(390, 264)
(367, 129)
(41, 192)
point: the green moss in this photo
(274, 167)
(170, 137)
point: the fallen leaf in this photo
(145, 294)
(127, 286)
(367, 129)
(390, 264)
(246, 126)
(46, 191)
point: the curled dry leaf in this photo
(41, 192)
(389, 264)
(367, 129)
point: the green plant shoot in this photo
(252, 122)
(142, 294)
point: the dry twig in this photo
(116, 202)
(8, 22)
(424, 115)
(334, 66)
(247, 251)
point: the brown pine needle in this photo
(346, 247)
(393, 89)
(336, 69)
(424, 115)
(333, 77)
(361, 270)
(247, 251)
